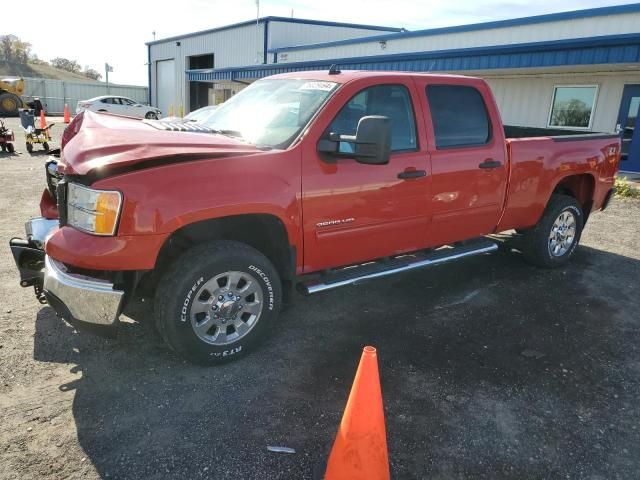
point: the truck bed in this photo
(557, 134)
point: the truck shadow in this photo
(490, 368)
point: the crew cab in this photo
(314, 180)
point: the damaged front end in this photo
(82, 298)
(29, 254)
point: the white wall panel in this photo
(286, 34)
(526, 99)
(581, 27)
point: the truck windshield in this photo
(271, 113)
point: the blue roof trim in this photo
(550, 17)
(582, 51)
(276, 19)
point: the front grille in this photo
(61, 197)
(53, 177)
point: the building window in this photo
(573, 106)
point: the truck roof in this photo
(345, 76)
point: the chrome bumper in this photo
(74, 297)
(79, 298)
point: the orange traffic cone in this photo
(67, 117)
(43, 121)
(360, 449)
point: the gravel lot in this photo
(490, 369)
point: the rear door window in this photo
(459, 116)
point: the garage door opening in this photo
(200, 94)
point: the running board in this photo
(368, 271)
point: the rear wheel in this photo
(3, 147)
(29, 147)
(217, 301)
(554, 239)
(10, 148)
(45, 145)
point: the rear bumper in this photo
(77, 298)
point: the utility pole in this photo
(107, 68)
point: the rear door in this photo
(354, 212)
(468, 158)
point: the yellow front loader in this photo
(11, 89)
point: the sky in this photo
(115, 31)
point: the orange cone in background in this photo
(43, 121)
(360, 449)
(67, 117)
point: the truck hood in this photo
(100, 144)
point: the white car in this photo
(118, 105)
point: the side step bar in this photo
(368, 271)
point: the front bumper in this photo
(77, 298)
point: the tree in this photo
(34, 59)
(7, 51)
(574, 113)
(12, 49)
(91, 73)
(66, 64)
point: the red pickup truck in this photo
(315, 180)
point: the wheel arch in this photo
(579, 186)
(264, 232)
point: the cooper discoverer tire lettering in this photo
(217, 301)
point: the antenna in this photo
(334, 70)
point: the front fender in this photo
(162, 199)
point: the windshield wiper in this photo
(228, 133)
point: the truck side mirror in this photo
(370, 145)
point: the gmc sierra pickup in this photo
(310, 179)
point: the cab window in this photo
(392, 101)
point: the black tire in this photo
(29, 147)
(188, 280)
(151, 116)
(10, 148)
(537, 247)
(9, 104)
(3, 147)
(45, 145)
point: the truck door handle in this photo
(407, 174)
(490, 163)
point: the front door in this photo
(355, 212)
(628, 123)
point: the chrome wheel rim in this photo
(226, 308)
(563, 234)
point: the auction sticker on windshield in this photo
(324, 86)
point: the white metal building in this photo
(576, 70)
(236, 45)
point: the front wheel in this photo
(554, 239)
(217, 301)
(151, 116)
(10, 148)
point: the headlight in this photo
(94, 211)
